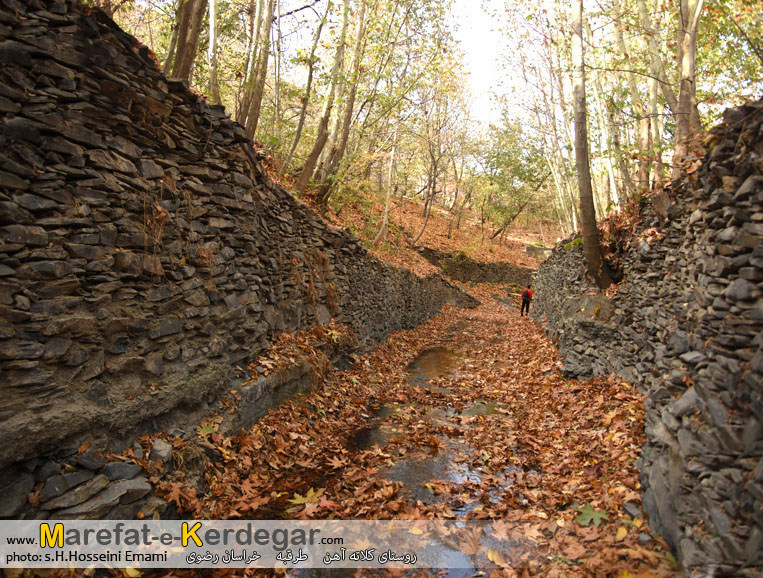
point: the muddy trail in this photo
(465, 417)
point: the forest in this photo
(269, 261)
(371, 99)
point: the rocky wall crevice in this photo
(686, 326)
(144, 251)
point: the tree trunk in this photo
(428, 201)
(306, 98)
(656, 134)
(173, 39)
(385, 220)
(320, 141)
(214, 86)
(189, 30)
(607, 128)
(687, 117)
(253, 115)
(510, 220)
(597, 268)
(657, 66)
(277, 78)
(245, 90)
(638, 108)
(337, 152)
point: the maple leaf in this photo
(469, 542)
(311, 497)
(533, 533)
(337, 462)
(308, 511)
(574, 550)
(590, 514)
(176, 493)
(501, 530)
(327, 504)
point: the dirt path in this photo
(467, 417)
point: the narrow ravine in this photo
(465, 417)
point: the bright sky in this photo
(482, 44)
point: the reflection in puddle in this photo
(413, 473)
(481, 408)
(416, 472)
(368, 437)
(431, 364)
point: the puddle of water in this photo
(414, 472)
(368, 437)
(431, 364)
(481, 408)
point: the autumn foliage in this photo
(551, 463)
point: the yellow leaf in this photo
(622, 532)
(625, 574)
(496, 557)
(560, 522)
(638, 522)
(417, 531)
(133, 573)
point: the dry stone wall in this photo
(144, 251)
(686, 325)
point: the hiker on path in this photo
(527, 296)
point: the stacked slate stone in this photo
(80, 486)
(687, 326)
(144, 252)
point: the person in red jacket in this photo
(527, 296)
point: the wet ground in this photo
(464, 418)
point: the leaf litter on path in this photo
(551, 463)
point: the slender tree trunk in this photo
(189, 30)
(174, 38)
(687, 117)
(644, 156)
(306, 98)
(457, 178)
(428, 201)
(253, 116)
(657, 66)
(639, 111)
(214, 86)
(606, 125)
(597, 268)
(277, 74)
(337, 152)
(625, 174)
(320, 141)
(461, 209)
(510, 220)
(385, 219)
(654, 123)
(245, 90)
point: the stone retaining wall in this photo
(144, 251)
(686, 325)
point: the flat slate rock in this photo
(90, 460)
(124, 491)
(79, 494)
(121, 471)
(57, 485)
(13, 497)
